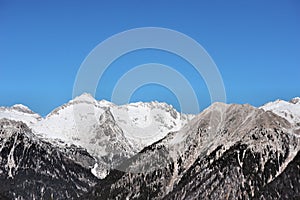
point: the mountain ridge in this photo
(133, 125)
(241, 147)
(249, 149)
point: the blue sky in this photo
(255, 44)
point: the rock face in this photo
(227, 152)
(31, 168)
(286, 185)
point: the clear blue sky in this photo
(255, 44)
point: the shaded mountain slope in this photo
(227, 152)
(33, 169)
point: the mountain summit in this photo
(289, 110)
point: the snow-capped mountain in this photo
(150, 151)
(141, 123)
(20, 112)
(109, 132)
(289, 110)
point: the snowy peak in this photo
(151, 104)
(143, 123)
(20, 112)
(290, 110)
(84, 97)
(22, 108)
(83, 103)
(18, 108)
(88, 98)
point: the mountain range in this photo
(89, 149)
